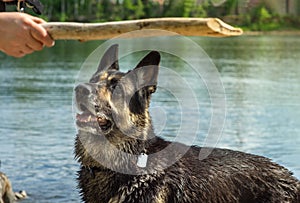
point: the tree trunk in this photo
(76, 9)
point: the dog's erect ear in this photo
(144, 80)
(109, 59)
(137, 85)
(147, 70)
(153, 58)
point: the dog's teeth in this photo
(89, 118)
(102, 116)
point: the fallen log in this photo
(213, 27)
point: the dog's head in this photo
(114, 104)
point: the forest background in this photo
(257, 16)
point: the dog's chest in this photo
(127, 188)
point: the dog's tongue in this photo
(86, 117)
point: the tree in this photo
(173, 8)
(139, 9)
(128, 9)
(188, 6)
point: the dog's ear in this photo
(107, 62)
(147, 71)
(137, 85)
(145, 82)
(109, 59)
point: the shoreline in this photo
(275, 33)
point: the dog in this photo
(6, 193)
(117, 149)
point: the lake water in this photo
(260, 74)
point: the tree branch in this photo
(184, 26)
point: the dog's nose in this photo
(82, 92)
(83, 97)
(83, 89)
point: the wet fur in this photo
(225, 176)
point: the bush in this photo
(261, 19)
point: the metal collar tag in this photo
(142, 160)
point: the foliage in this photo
(256, 18)
(184, 8)
(111, 10)
(261, 19)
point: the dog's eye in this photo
(113, 83)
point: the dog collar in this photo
(141, 162)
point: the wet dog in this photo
(122, 160)
(6, 193)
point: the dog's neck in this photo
(136, 142)
(113, 150)
(133, 137)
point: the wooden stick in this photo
(184, 26)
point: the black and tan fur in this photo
(114, 120)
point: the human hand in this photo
(22, 34)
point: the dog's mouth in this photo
(90, 115)
(104, 122)
(87, 119)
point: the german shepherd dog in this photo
(6, 193)
(115, 131)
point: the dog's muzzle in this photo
(91, 113)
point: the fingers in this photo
(39, 33)
(19, 52)
(37, 20)
(37, 41)
(41, 36)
